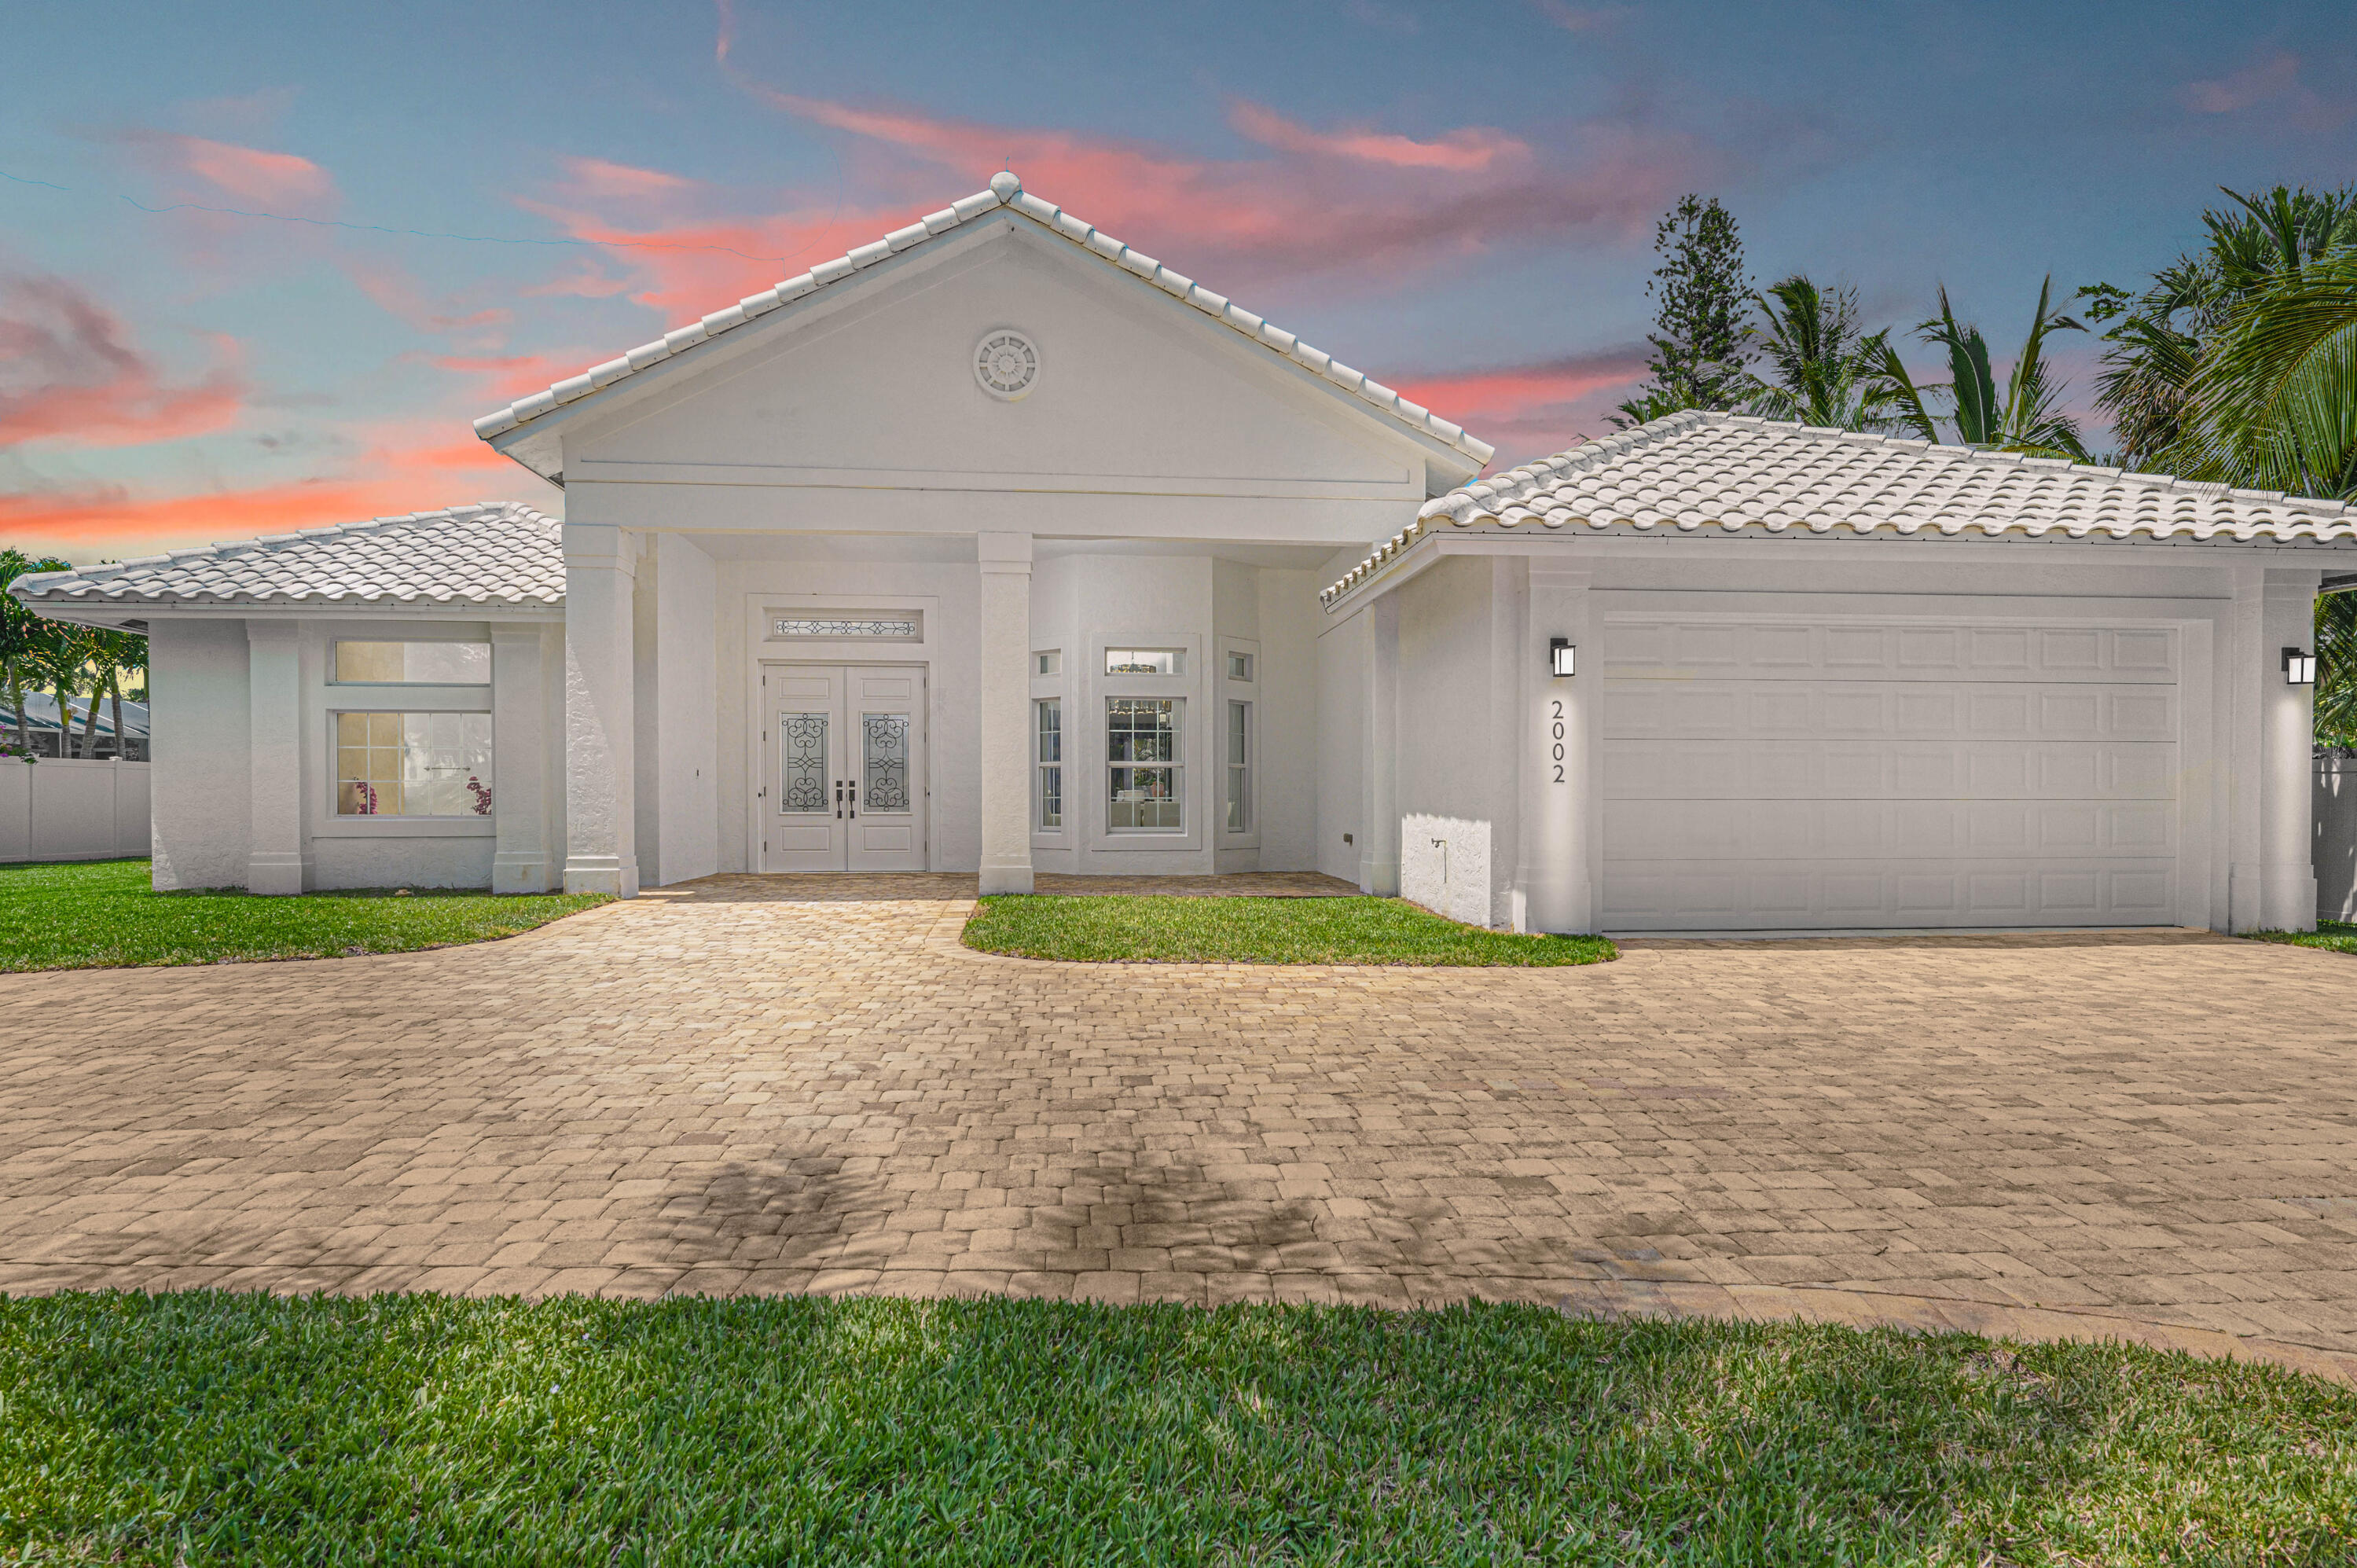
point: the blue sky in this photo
(1459, 199)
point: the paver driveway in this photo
(757, 1084)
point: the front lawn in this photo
(209, 1428)
(103, 914)
(1155, 929)
(2330, 934)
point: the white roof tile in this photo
(1006, 192)
(491, 553)
(1695, 470)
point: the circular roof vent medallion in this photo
(1007, 364)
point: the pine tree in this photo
(1703, 294)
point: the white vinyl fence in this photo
(56, 810)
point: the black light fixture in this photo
(1561, 655)
(2299, 669)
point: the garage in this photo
(1774, 773)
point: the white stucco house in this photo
(996, 546)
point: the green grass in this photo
(103, 914)
(208, 1428)
(2330, 934)
(1114, 929)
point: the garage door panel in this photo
(1772, 649)
(1640, 896)
(1702, 769)
(1838, 830)
(1874, 710)
(1860, 775)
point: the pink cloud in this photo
(1466, 151)
(403, 465)
(1528, 411)
(2271, 82)
(399, 295)
(1583, 19)
(596, 177)
(1369, 201)
(249, 175)
(70, 375)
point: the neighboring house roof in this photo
(1693, 470)
(41, 714)
(492, 553)
(1006, 192)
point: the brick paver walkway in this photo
(766, 1084)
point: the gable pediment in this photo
(555, 431)
(1123, 389)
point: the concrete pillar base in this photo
(520, 874)
(602, 874)
(1007, 879)
(279, 875)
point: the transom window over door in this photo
(1143, 765)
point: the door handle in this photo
(855, 800)
(838, 800)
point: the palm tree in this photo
(2166, 333)
(2023, 417)
(117, 652)
(24, 637)
(1825, 372)
(2272, 403)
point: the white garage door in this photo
(1778, 775)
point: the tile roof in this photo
(1005, 193)
(492, 553)
(1693, 470)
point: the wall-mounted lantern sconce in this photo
(2299, 669)
(1561, 654)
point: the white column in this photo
(1379, 857)
(600, 801)
(2286, 743)
(278, 856)
(520, 864)
(1005, 669)
(1560, 793)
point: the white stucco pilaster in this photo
(1559, 792)
(1003, 660)
(1379, 859)
(278, 857)
(601, 800)
(1510, 674)
(2286, 739)
(521, 861)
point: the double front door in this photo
(843, 768)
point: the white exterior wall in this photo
(196, 680)
(680, 730)
(201, 671)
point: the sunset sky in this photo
(1458, 198)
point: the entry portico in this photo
(1068, 509)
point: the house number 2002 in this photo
(1557, 720)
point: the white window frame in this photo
(336, 717)
(1247, 692)
(336, 642)
(1086, 690)
(1041, 769)
(1177, 765)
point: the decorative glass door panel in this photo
(843, 778)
